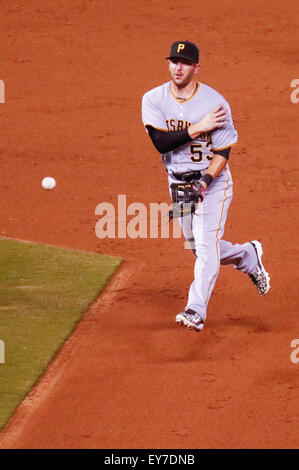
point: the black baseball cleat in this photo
(260, 277)
(190, 319)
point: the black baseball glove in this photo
(185, 196)
(197, 191)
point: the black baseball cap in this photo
(184, 50)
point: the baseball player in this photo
(191, 125)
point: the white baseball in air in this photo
(48, 183)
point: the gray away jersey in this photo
(162, 110)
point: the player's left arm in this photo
(222, 141)
(218, 163)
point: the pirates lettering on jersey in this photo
(177, 125)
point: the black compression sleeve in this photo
(224, 153)
(166, 141)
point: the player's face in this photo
(182, 71)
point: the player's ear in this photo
(197, 67)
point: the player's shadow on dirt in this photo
(255, 325)
(158, 326)
(166, 342)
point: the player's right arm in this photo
(166, 141)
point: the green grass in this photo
(43, 292)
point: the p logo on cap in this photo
(184, 50)
(180, 48)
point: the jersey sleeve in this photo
(226, 136)
(152, 115)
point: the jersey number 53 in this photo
(197, 153)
